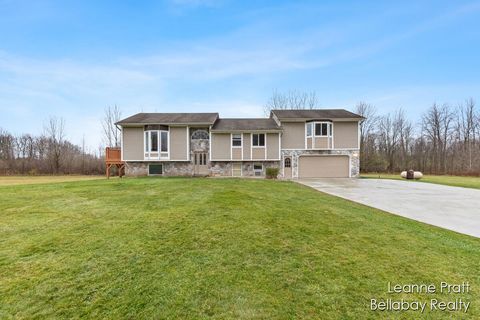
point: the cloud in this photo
(32, 89)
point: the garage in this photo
(323, 167)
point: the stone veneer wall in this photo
(354, 159)
(224, 168)
(169, 168)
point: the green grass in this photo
(215, 248)
(455, 181)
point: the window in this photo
(258, 139)
(200, 134)
(322, 129)
(155, 169)
(236, 140)
(154, 141)
(164, 141)
(147, 149)
(288, 163)
(156, 144)
(309, 129)
(258, 169)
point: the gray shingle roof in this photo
(245, 124)
(315, 114)
(167, 118)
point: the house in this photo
(301, 143)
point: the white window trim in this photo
(264, 140)
(147, 154)
(241, 140)
(329, 134)
(210, 143)
(306, 129)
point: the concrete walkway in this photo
(453, 208)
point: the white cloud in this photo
(33, 89)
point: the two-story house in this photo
(301, 143)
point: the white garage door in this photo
(323, 167)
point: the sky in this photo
(72, 59)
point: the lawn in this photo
(16, 180)
(455, 181)
(156, 248)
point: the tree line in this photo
(47, 153)
(445, 140)
(51, 153)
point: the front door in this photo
(200, 163)
(287, 168)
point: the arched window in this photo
(288, 163)
(200, 134)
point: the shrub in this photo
(272, 173)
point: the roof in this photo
(170, 118)
(245, 124)
(316, 114)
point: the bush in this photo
(272, 173)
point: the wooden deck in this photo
(113, 158)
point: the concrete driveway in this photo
(453, 208)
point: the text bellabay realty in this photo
(457, 304)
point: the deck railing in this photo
(113, 155)
(113, 158)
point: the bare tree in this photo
(291, 100)
(7, 145)
(55, 132)
(367, 126)
(111, 134)
(388, 136)
(405, 136)
(466, 128)
(437, 128)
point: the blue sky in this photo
(74, 58)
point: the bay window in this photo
(319, 135)
(156, 144)
(321, 129)
(309, 129)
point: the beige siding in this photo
(220, 146)
(133, 143)
(178, 143)
(323, 167)
(345, 135)
(309, 143)
(272, 146)
(258, 153)
(293, 135)
(321, 142)
(237, 153)
(247, 142)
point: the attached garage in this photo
(324, 166)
